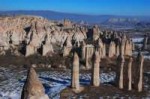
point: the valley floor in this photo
(12, 79)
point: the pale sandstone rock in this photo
(47, 49)
(67, 23)
(96, 32)
(89, 55)
(122, 47)
(130, 74)
(112, 50)
(145, 42)
(30, 50)
(140, 82)
(128, 48)
(33, 88)
(75, 73)
(101, 48)
(121, 63)
(96, 70)
(83, 50)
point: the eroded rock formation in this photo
(75, 73)
(33, 88)
(140, 81)
(121, 76)
(130, 74)
(96, 70)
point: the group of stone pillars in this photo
(96, 72)
(75, 84)
(33, 88)
(139, 73)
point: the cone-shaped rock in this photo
(30, 50)
(33, 88)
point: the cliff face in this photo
(34, 31)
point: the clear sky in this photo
(93, 7)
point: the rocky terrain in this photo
(54, 48)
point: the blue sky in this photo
(93, 7)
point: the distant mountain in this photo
(92, 19)
(59, 16)
(123, 20)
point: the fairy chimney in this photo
(122, 47)
(33, 88)
(89, 55)
(100, 47)
(96, 70)
(83, 50)
(47, 49)
(75, 73)
(128, 47)
(130, 74)
(112, 49)
(96, 32)
(145, 43)
(67, 47)
(104, 51)
(121, 63)
(30, 50)
(140, 82)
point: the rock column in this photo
(83, 50)
(145, 43)
(87, 58)
(130, 73)
(122, 60)
(96, 70)
(140, 82)
(112, 50)
(75, 73)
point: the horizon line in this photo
(80, 13)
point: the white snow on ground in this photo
(145, 53)
(53, 81)
(137, 40)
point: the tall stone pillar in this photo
(112, 49)
(33, 88)
(130, 73)
(87, 58)
(140, 82)
(96, 32)
(83, 50)
(75, 73)
(117, 51)
(122, 47)
(100, 47)
(96, 70)
(104, 51)
(122, 60)
(145, 43)
(128, 47)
